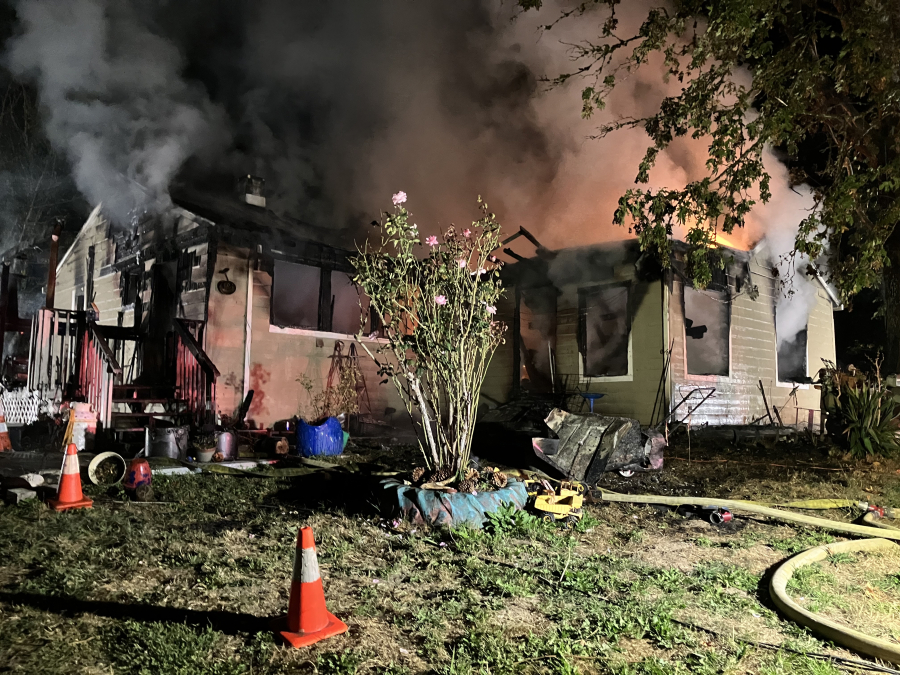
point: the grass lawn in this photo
(189, 585)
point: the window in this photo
(537, 338)
(345, 305)
(707, 323)
(295, 295)
(792, 358)
(604, 330)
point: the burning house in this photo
(606, 326)
(183, 314)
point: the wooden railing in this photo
(100, 371)
(195, 373)
(54, 358)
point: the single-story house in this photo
(610, 320)
(192, 309)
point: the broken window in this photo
(604, 328)
(792, 358)
(537, 338)
(345, 305)
(707, 323)
(295, 295)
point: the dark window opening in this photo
(707, 319)
(792, 358)
(130, 290)
(347, 305)
(604, 329)
(537, 339)
(295, 295)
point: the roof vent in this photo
(252, 190)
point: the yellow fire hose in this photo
(873, 520)
(859, 642)
(740, 505)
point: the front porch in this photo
(73, 358)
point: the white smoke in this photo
(778, 221)
(114, 99)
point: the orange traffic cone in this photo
(69, 495)
(307, 620)
(5, 443)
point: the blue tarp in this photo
(441, 508)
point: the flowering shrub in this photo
(439, 327)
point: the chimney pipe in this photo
(252, 190)
(51, 268)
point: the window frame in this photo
(788, 384)
(323, 319)
(583, 292)
(684, 338)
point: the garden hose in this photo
(859, 642)
(740, 505)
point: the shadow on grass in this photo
(230, 623)
(352, 493)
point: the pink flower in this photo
(462, 263)
(399, 198)
(492, 258)
(491, 309)
(467, 233)
(440, 300)
(432, 241)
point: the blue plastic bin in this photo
(326, 438)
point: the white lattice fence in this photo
(21, 406)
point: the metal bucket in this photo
(171, 442)
(226, 445)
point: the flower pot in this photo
(324, 438)
(205, 455)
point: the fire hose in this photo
(881, 533)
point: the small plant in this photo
(204, 441)
(439, 320)
(332, 401)
(865, 413)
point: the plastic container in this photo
(120, 468)
(171, 442)
(325, 438)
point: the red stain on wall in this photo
(259, 377)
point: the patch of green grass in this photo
(339, 663)
(520, 596)
(137, 648)
(817, 586)
(842, 558)
(801, 541)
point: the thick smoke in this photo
(113, 98)
(338, 105)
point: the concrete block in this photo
(18, 495)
